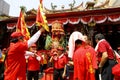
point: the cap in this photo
(16, 34)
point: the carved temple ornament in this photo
(71, 5)
(90, 5)
(106, 4)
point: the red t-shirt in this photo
(16, 62)
(33, 64)
(104, 46)
(60, 62)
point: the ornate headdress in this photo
(57, 27)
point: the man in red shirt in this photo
(83, 56)
(105, 57)
(15, 60)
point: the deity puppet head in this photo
(57, 28)
(57, 32)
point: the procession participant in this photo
(15, 60)
(2, 67)
(44, 62)
(84, 57)
(68, 66)
(33, 65)
(87, 40)
(105, 57)
(60, 60)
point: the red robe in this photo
(16, 62)
(84, 63)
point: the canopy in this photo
(98, 19)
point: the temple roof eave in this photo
(84, 13)
(68, 14)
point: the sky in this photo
(30, 4)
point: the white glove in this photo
(38, 58)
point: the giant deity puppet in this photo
(57, 37)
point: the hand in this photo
(55, 57)
(63, 75)
(42, 29)
(70, 63)
(100, 70)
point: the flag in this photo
(21, 25)
(41, 18)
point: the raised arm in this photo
(35, 37)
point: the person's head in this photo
(78, 43)
(87, 39)
(54, 52)
(16, 36)
(60, 50)
(33, 47)
(99, 37)
(57, 28)
(4, 51)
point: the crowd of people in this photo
(88, 63)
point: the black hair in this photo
(99, 36)
(78, 41)
(14, 40)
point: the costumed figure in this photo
(2, 61)
(57, 38)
